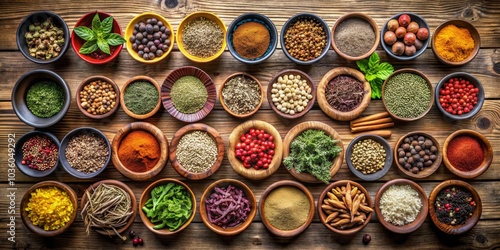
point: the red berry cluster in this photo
(98, 54)
(255, 149)
(136, 240)
(458, 96)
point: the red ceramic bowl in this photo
(77, 42)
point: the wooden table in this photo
(483, 14)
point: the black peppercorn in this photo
(366, 239)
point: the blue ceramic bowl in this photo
(19, 154)
(292, 21)
(252, 17)
(388, 157)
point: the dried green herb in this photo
(202, 37)
(188, 94)
(45, 99)
(141, 97)
(241, 94)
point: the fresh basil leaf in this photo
(374, 61)
(363, 65)
(376, 86)
(96, 23)
(107, 25)
(114, 39)
(88, 47)
(370, 77)
(103, 46)
(85, 33)
(384, 70)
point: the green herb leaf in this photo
(85, 33)
(107, 25)
(103, 46)
(114, 39)
(363, 65)
(376, 86)
(96, 22)
(370, 77)
(374, 61)
(375, 73)
(384, 70)
(89, 47)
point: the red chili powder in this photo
(465, 153)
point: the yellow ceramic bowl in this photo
(130, 29)
(186, 20)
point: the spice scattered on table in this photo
(305, 39)
(344, 93)
(454, 205)
(346, 207)
(465, 153)
(407, 95)
(286, 208)
(241, 94)
(251, 39)
(108, 208)
(139, 151)
(98, 97)
(400, 205)
(141, 97)
(188, 94)
(313, 152)
(169, 207)
(49, 208)
(197, 151)
(417, 152)
(202, 37)
(368, 156)
(366, 239)
(44, 39)
(227, 206)
(405, 35)
(87, 152)
(354, 36)
(40, 153)
(255, 149)
(150, 39)
(45, 99)
(458, 96)
(291, 94)
(454, 43)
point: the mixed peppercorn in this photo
(255, 149)
(458, 96)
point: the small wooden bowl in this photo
(336, 114)
(228, 231)
(237, 165)
(427, 171)
(167, 87)
(223, 103)
(125, 188)
(388, 157)
(296, 131)
(191, 128)
(25, 200)
(429, 84)
(408, 228)
(487, 151)
(302, 75)
(146, 195)
(269, 226)
(322, 215)
(93, 79)
(455, 229)
(140, 79)
(157, 133)
(365, 18)
(460, 24)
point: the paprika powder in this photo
(139, 151)
(251, 40)
(465, 153)
(453, 43)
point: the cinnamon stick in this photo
(372, 127)
(371, 117)
(372, 122)
(382, 133)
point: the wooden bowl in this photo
(269, 226)
(388, 157)
(93, 79)
(367, 19)
(122, 97)
(146, 195)
(228, 231)
(24, 168)
(471, 221)
(336, 114)
(460, 24)
(408, 228)
(322, 215)
(125, 188)
(296, 131)
(427, 171)
(160, 137)
(25, 200)
(188, 129)
(487, 151)
(429, 84)
(310, 83)
(223, 103)
(237, 165)
(167, 87)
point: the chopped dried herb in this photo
(202, 37)
(45, 99)
(344, 93)
(241, 94)
(188, 94)
(87, 152)
(141, 97)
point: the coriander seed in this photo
(368, 156)
(98, 97)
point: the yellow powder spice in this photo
(49, 208)
(453, 43)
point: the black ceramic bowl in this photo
(19, 97)
(19, 154)
(258, 18)
(388, 157)
(474, 81)
(64, 144)
(41, 16)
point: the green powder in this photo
(45, 99)
(407, 95)
(188, 94)
(141, 97)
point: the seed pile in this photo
(368, 156)
(241, 94)
(202, 37)
(400, 205)
(454, 205)
(150, 39)
(45, 40)
(407, 95)
(40, 153)
(197, 151)
(87, 152)
(291, 94)
(305, 39)
(49, 208)
(98, 97)
(344, 93)
(188, 94)
(417, 152)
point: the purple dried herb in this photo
(227, 206)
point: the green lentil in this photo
(45, 99)
(188, 94)
(141, 97)
(407, 95)
(368, 156)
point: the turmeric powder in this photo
(453, 43)
(139, 151)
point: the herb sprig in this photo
(100, 36)
(375, 73)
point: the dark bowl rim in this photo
(388, 158)
(18, 148)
